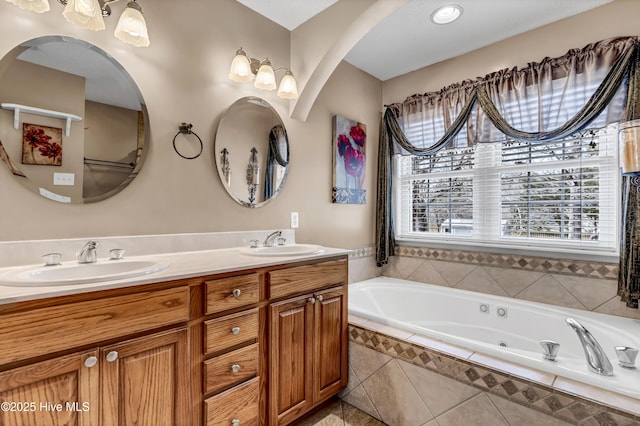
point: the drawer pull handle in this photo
(235, 331)
(312, 300)
(112, 356)
(235, 368)
(235, 422)
(90, 361)
(319, 297)
(236, 292)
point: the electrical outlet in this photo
(294, 220)
(66, 179)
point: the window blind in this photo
(560, 195)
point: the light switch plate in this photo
(66, 179)
(294, 220)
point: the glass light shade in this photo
(288, 88)
(132, 28)
(38, 6)
(446, 14)
(240, 70)
(265, 79)
(85, 14)
(629, 140)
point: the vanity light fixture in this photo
(245, 69)
(38, 6)
(89, 14)
(446, 14)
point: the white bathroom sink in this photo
(70, 273)
(286, 250)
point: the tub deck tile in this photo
(577, 388)
(514, 369)
(440, 346)
(564, 399)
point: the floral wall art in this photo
(41, 145)
(349, 161)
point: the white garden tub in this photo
(505, 328)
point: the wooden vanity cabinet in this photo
(307, 338)
(142, 380)
(31, 393)
(258, 347)
(145, 381)
(233, 348)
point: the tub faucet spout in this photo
(597, 360)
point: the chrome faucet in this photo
(597, 360)
(268, 242)
(89, 253)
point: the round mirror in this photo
(252, 152)
(72, 123)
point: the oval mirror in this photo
(252, 152)
(72, 123)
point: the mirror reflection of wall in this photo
(251, 123)
(105, 150)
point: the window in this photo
(560, 196)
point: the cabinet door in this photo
(291, 359)
(145, 381)
(60, 391)
(330, 343)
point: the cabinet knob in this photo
(235, 368)
(235, 331)
(319, 297)
(235, 422)
(312, 300)
(90, 361)
(112, 356)
(236, 292)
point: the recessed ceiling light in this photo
(446, 14)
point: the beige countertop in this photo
(182, 265)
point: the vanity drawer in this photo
(307, 278)
(238, 403)
(232, 292)
(230, 330)
(233, 367)
(49, 329)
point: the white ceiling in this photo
(407, 40)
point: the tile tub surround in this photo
(16, 253)
(362, 264)
(405, 379)
(574, 284)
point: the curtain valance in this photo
(530, 104)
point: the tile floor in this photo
(338, 413)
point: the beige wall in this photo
(618, 18)
(183, 78)
(32, 85)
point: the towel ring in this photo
(185, 129)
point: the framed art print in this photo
(41, 145)
(349, 161)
